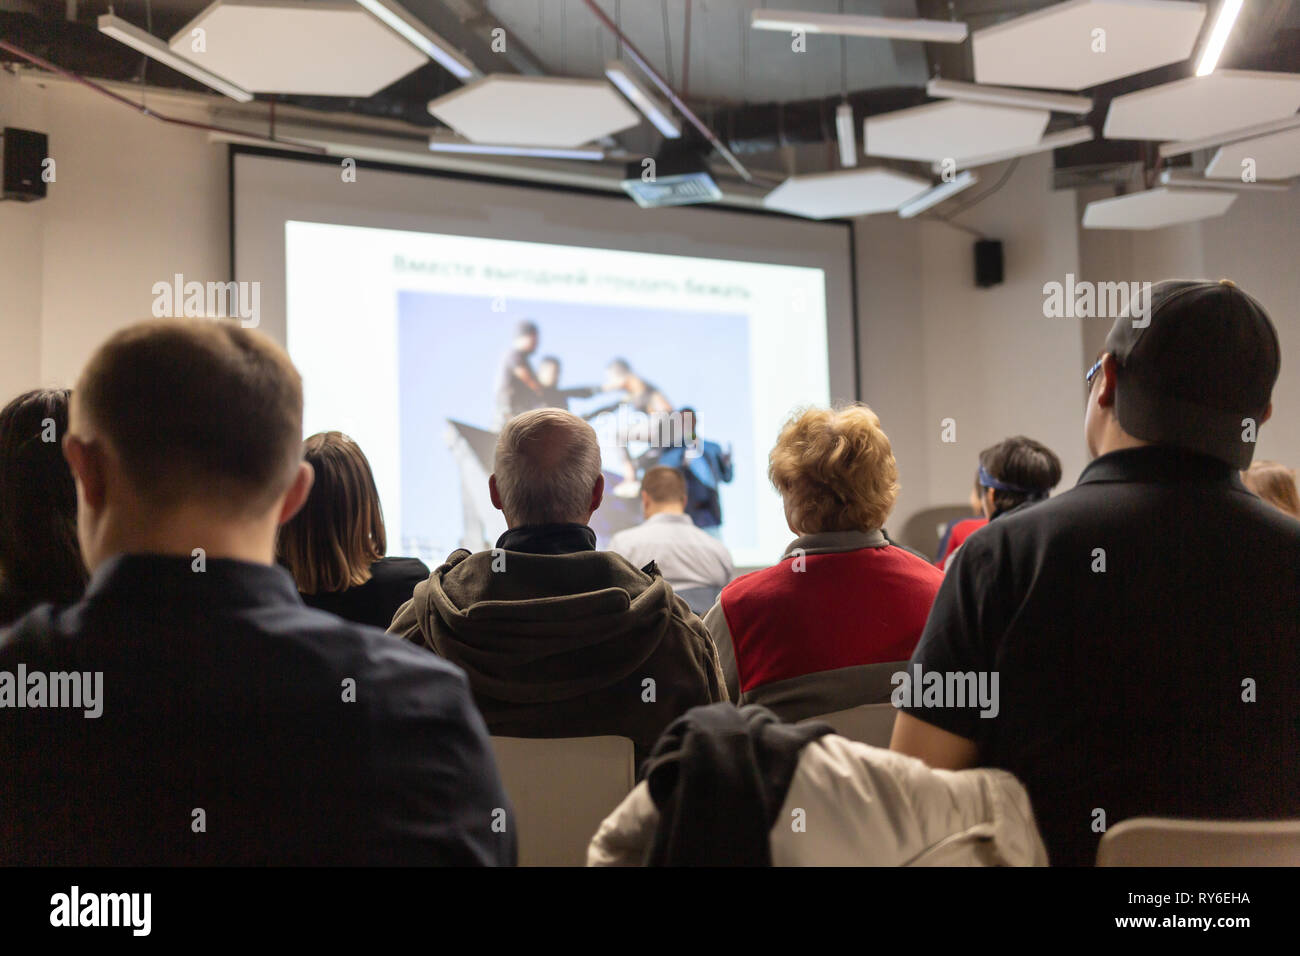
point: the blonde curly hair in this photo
(835, 469)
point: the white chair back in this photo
(869, 723)
(1160, 841)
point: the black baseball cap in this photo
(1197, 359)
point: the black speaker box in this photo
(23, 157)
(988, 262)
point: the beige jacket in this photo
(851, 804)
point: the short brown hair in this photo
(664, 484)
(330, 544)
(835, 469)
(1275, 483)
(197, 409)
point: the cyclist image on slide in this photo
(548, 374)
(642, 397)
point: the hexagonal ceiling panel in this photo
(1274, 156)
(287, 46)
(846, 192)
(535, 110)
(1157, 208)
(1203, 106)
(952, 129)
(1060, 48)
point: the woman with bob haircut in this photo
(334, 547)
(40, 559)
(825, 629)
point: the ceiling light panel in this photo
(850, 192)
(1276, 156)
(535, 110)
(1081, 43)
(1157, 208)
(1203, 106)
(287, 46)
(951, 129)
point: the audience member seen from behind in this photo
(559, 639)
(1275, 483)
(1014, 473)
(960, 529)
(40, 561)
(807, 636)
(334, 546)
(216, 719)
(695, 563)
(1143, 624)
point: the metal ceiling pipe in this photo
(139, 108)
(669, 92)
(764, 127)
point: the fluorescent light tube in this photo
(938, 194)
(1058, 140)
(1170, 177)
(654, 109)
(152, 47)
(447, 145)
(422, 38)
(928, 31)
(1228, 11)
(844, 134)
(1006, 96)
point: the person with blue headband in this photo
(1015, 472)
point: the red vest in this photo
(866, 606)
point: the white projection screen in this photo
(406, 298)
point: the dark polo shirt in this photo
(238, 727)
(1121, 690)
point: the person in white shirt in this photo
(693, 562)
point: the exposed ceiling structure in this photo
(808, 122)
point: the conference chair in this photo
(1161, 841)
(812, 695)
(561, 789)
(923, 529)
(869, 723)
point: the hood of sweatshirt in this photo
(539, 628)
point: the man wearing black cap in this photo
(1145, 625)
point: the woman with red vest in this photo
(825, 628)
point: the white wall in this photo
(134, 201)
(936, 347)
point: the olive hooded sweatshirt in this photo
(561, 640)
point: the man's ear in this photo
(598, 492)
(1109, 381)
(297, 494)
(1268, 413)
(645, 502)
(494, 493)
(86, 460)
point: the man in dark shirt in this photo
(1142, 627)
(189, 709)
(518, 389)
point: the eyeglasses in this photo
(1092, 372)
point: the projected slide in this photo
(421, 346)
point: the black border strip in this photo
(235, 149)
